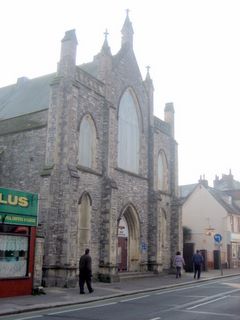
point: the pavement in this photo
(130, 284)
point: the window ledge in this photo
(88, 170)
(131, 173)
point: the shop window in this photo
(234, 250)
(14, 247)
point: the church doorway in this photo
(122, 245)
(129, 241)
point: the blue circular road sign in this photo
(218, 237)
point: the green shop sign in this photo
(18, 207)
(18, 219)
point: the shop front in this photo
(18, 221)
(235, 250)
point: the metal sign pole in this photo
(220, 259)
(218, 242)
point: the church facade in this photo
(86, 140)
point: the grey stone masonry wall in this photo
(176, 238)
(122, 188)
(23, 154)
(64, 184)
(38, 262)
(164, 200)
(39, 153)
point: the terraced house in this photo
(85, 139)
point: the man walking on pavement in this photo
(197, 260)
(85, 272)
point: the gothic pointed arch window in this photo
(162, 169)
(164, 228)
(128, 133)
(84, 222)
(87, 142)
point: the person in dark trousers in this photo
(197, 260)
(179, 263)
(85, 272)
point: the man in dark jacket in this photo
(85, 272)
(197, 263)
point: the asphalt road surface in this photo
(213, 300)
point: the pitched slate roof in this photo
(26, 96)
(31, 95)
(185, 190)
(222, 197)
(90, 68)
(228, 185)
(225, 200)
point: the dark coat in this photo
(197, 259)
(85, 265)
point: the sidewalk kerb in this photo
(38, 307)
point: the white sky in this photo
(192, 46)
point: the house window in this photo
(128, 133)
(238, 224)
(162, 169)
(14, 247)
(232, 223)
(87, 142)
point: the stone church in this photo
(86, 140)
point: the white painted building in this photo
(208, 211)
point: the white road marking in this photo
(30, 317)
(212, 313)
(234, 285)
(190, 286)
(135, 298)
(183, 288)
(155, 318)
(207, 302)
(81, 308)
(203, 300)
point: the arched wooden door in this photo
(129, 240)
(122, 245)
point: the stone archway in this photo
(131, 243)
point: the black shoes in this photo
(82, 292)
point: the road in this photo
(212, 300)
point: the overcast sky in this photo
(192, 46)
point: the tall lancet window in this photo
(162, 178)
(84, 224)
(128, 133)
(87, 142)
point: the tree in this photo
(187, 234)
